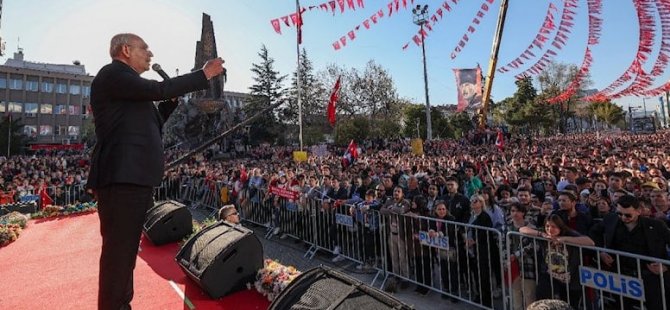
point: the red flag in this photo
(299, 26)
(350, 4)
(500, 141)
(276, 25)
(353, 149)
(44, 197)
(360, 3)
(334, 96)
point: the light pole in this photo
(420, 19)
(644, 103)
(630, 112)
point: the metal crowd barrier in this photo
(459, 260)
(62, 195)
(578, 275)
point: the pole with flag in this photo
(334, 96)
(299, 41)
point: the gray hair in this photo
(549, 304)
(118, 41)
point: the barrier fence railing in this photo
(586, 277)
(62, 195)
(463, 261)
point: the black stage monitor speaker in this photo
(168, 221)
(325, 288)
(222, 258)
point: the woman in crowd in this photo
(441, 231)
(558, 261)
(481, 247)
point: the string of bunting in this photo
(483, 9)
(642, 80)
(374, 18)
(662, 58)
(547, 27)
(430, 23)
(645, 43)
(329, 6)
(595, 30)
(559, 41)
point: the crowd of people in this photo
(606, 190)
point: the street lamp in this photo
(420, 19)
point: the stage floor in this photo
(54, 265)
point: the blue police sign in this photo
(344, 220)
(438, 241)
(612, 282)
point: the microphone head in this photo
(156, 67)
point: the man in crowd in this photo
(629, 232)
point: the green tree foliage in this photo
(414, 114)
(313, 95)
(369, 95)
(460, 123)
(266, 90)
(12, 131)
(607, 112)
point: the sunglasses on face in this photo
(625, 215)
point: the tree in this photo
(415, 115)
(12, 131)
(312, 93)
(555, 80)
(370, 94)
(461, 123)
(266, 91)
(607, 112)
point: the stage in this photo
(54, 265)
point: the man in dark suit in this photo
(127, 161)
(627, 231)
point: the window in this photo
(3, 82)
(73, 131)
(32, 85)
(30, 130)
(46, 108)
(15, 107)
(74, 110)
(30, 108)
(47, 86)
(61, 88)
(15, 84)
(75, 89)
(61, 130)
(86, 90)
(46, 130)
(2, 107)
(61, 109)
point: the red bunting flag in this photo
(366, 23)
(336, 45)
(334, 96)
(285, 19)
(333, 5)
(360, 3)
(276, 25)
(350, 4)
(341, 4)
(352, 35)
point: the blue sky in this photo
(66, 30)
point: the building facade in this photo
(51, 100)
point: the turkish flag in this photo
(334, 96)
(44, 197)
(500, 141)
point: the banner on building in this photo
(469, 87)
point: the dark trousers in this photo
(122, 209)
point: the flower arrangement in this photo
(11, 226)
(51, 210)
(274, 278)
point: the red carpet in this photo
(54, 265)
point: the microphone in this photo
(159, 70)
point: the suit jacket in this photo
(128, 125)
(655, 232)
